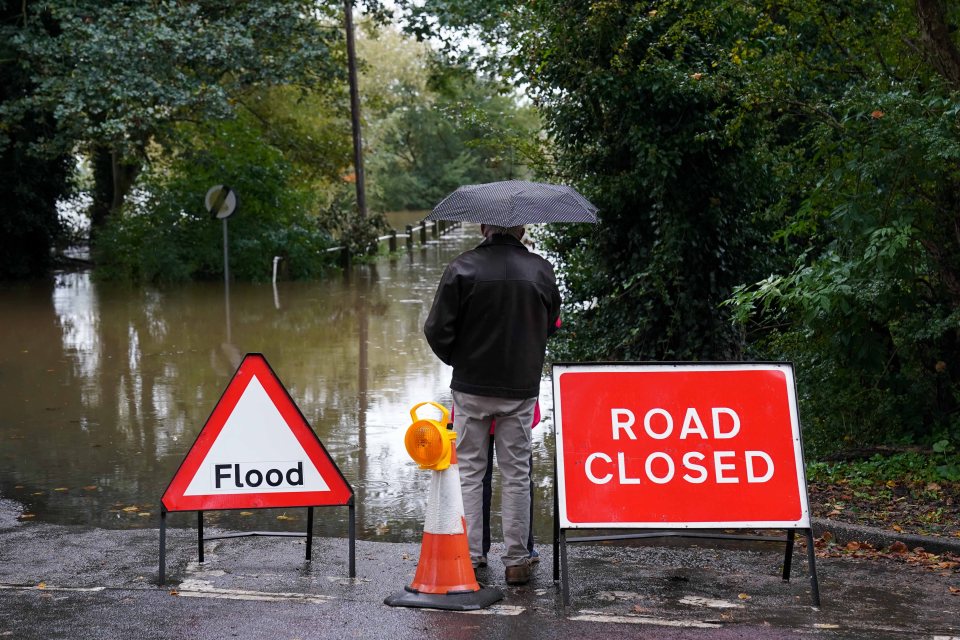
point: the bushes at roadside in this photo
(165, 235)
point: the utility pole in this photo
(355, 109)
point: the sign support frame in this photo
(560, 540)
(351, 538)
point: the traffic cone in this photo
(445, 578)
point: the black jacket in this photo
(493, 311)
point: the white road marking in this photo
(597, 616)
(611, 596)
(498, 610)
(698, 601)
(35, 587)
(193, 588)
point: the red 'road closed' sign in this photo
(678, 445)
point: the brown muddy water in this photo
(104, 389)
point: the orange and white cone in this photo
(445, 578)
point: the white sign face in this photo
(221, 201)
(256, 452)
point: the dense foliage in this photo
(168, 235)
(432, 127)
(642, 106)
(29, 185)
(727, 140)
(158, 104)
(112, 75)
(870, 310)
(641, 101)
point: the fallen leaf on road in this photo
(26, 516)
(91, 487)
(62, 489)
(42, 585)
(174, 592)
(954, 590)
(897, 528)
(246, 513)
(284, 516)
(743, 596)
(898, 547)
(131, 508)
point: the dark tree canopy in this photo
(107, 78)
(30, 184)
(725, 141)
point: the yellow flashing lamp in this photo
(430, 442)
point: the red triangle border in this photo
(255, 365)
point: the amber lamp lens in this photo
(424, 443)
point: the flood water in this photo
(105, 387)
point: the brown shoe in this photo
(518, 573)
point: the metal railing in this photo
(436, 228)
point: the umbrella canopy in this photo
(514, 202)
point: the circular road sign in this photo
(221, 201)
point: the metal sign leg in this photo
(200, 535)
(556, 524)
(163, 547)
(563, 568)
(812, 560)
(788, 555)
(309, 533)
(352, 542)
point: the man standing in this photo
(494, 309)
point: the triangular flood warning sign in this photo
(256, 451)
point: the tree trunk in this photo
(102, 165)
(937, 42)
(113, 177)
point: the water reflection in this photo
(105, 388)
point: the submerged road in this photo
(80, 583)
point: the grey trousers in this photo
(472, 417)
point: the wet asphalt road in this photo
(78, 583)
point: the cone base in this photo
(470, 601)
(444, 564)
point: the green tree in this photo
(641, 104)
(433, 126)
(165, 235)
(870, 310)
(115, 74)
(723, 140)
(30, 185)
